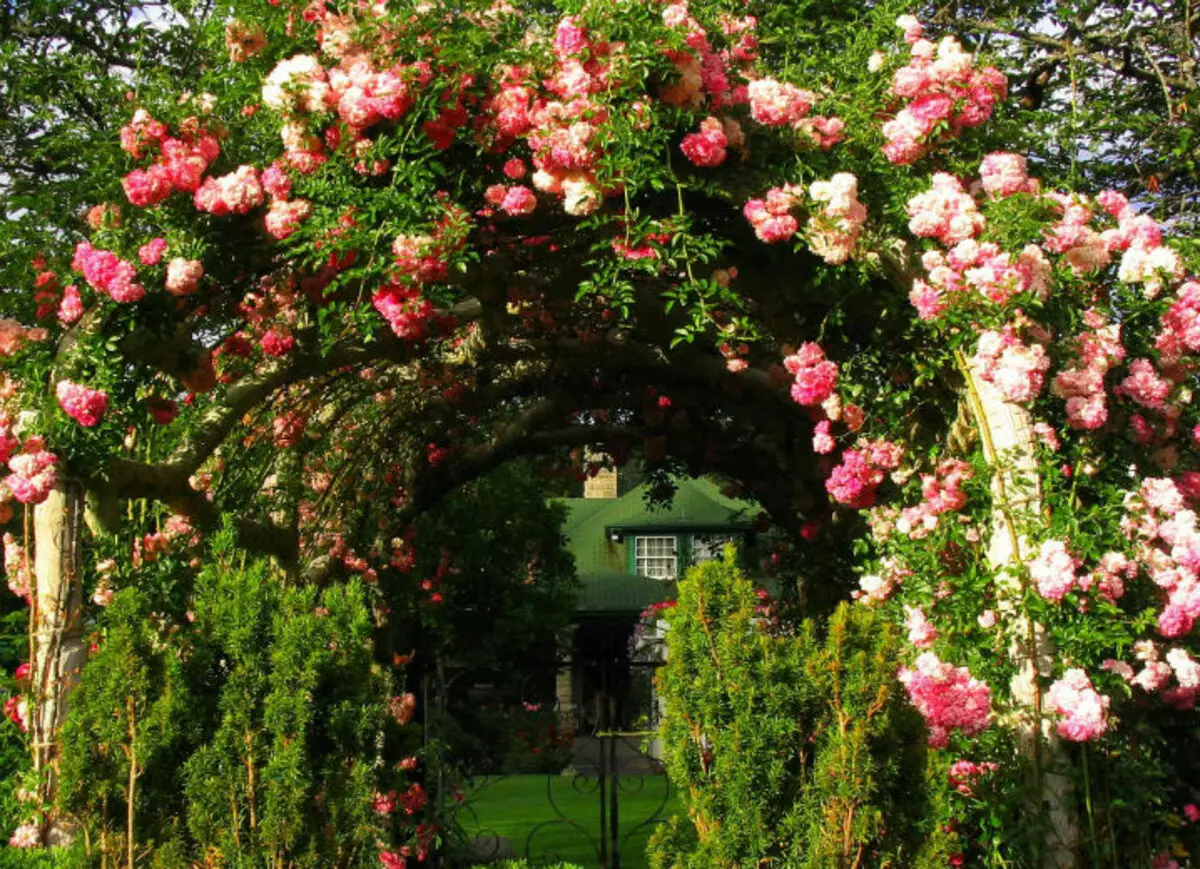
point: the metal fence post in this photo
(615, 796)
(602, 724)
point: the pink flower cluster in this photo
(942, 493)
(970, 271)
(1081, 246)
(183, 276)
(854, 481)
(1177, 574)
(179, 165)
(85, 406)
(151, 253)
(33, 473)
(514, 200)
(424, 258)
(1156, 673)
(775, 104)
(360, 94)
(1181, 324)
(392, 860)
(405, 309)
(921, 632)
(16, 709)
(107, 273)
(861, 472)
(1144, 386)
(366, 96)
(27, 835)
(384, 804)
(1017, 370)
(70, 307)
(1145, 260)
(562, 127)
(945, 92)
(815, 376)
(834, 230)
(288, 428)
(946, 212)
(948, 697)
(236, 193)
(1003, 174)
(1082, 384)
(771, 217)
(1187, 679)
(877, 587)
(1109, 576)
(297, 84)
(418, 258)
(1054, 570)
(142, 132)
(1084, 711)
(1168, 548)
(825, 132)
(284, 217)
(964, 775)
(16, 567)
(707, 147)
(13, 336)
(823, 442)
(704, 75)
(277, 341)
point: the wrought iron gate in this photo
(597, 811)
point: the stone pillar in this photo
(566, 685)
(657, 703)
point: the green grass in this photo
(518, 806)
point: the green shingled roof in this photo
(613, 592)
(600, 561)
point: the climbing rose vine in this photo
(403, 245)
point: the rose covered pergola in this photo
(395, 248)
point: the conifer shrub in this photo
(795, 748)
(248, 733)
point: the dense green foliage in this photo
(251, 732)
(496, 590)
(794, 748)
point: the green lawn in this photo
(518, 806)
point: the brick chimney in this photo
(604, 484)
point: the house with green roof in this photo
(629, 554)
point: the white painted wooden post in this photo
(1009, 444)
(58, 650)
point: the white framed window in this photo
(709, 547)
(655, 557)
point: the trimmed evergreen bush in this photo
(797, 749)
(248, 733)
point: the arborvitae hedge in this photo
(793, 748)
(256, 727)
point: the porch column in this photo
(566, 687)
